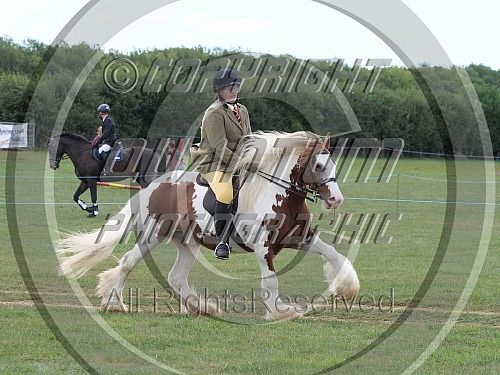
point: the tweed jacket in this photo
(220, 136)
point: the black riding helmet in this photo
(104, 108)
(225, 77)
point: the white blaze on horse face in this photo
(328, 166)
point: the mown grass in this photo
(242, 342)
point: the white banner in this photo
(13, 135)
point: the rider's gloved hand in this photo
(253, 167)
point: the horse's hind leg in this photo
(111, 282)
(178, 280)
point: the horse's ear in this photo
(326, 145)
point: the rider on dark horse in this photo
(108, 137)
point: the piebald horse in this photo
(271, 211)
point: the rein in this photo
(301, 191)
(57, 158)
(67, 155)
(76, 152)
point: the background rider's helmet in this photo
(225, 77)
(103, 108)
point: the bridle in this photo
(65, 154)
(302, 191)
(57, 158)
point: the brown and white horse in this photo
(272, 214)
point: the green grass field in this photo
(431, 263)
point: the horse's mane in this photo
(268, 149)
(76, 137)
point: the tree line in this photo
(63, 85)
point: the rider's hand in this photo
(253, 167)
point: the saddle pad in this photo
(118, 154)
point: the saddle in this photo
(209, 205)
(117, 154)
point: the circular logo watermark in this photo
(121, 75)
(191, 79)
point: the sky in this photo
(468, 31)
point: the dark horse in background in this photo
(142, 164)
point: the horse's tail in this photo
(89, 249)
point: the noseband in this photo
(316, 185)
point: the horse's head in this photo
(318, 174)
(299, 162)
(56, 152)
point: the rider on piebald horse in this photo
(225, 122)
(272, 215)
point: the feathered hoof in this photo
(347, 291)
(210, 310)
(105, 307)
(204, 308)
(290, 314)
(346, 296)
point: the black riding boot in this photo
(223, 228)
(104, 158)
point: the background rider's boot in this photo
(104, 158)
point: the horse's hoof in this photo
(91, 216)
(209, 309)
(289, 314)
(113, 308)
(286, 312)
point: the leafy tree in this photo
(48, 83)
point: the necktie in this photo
(236, 112)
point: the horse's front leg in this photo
(94, 209)
(340, 274)
(276, 309)
(82, 188)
